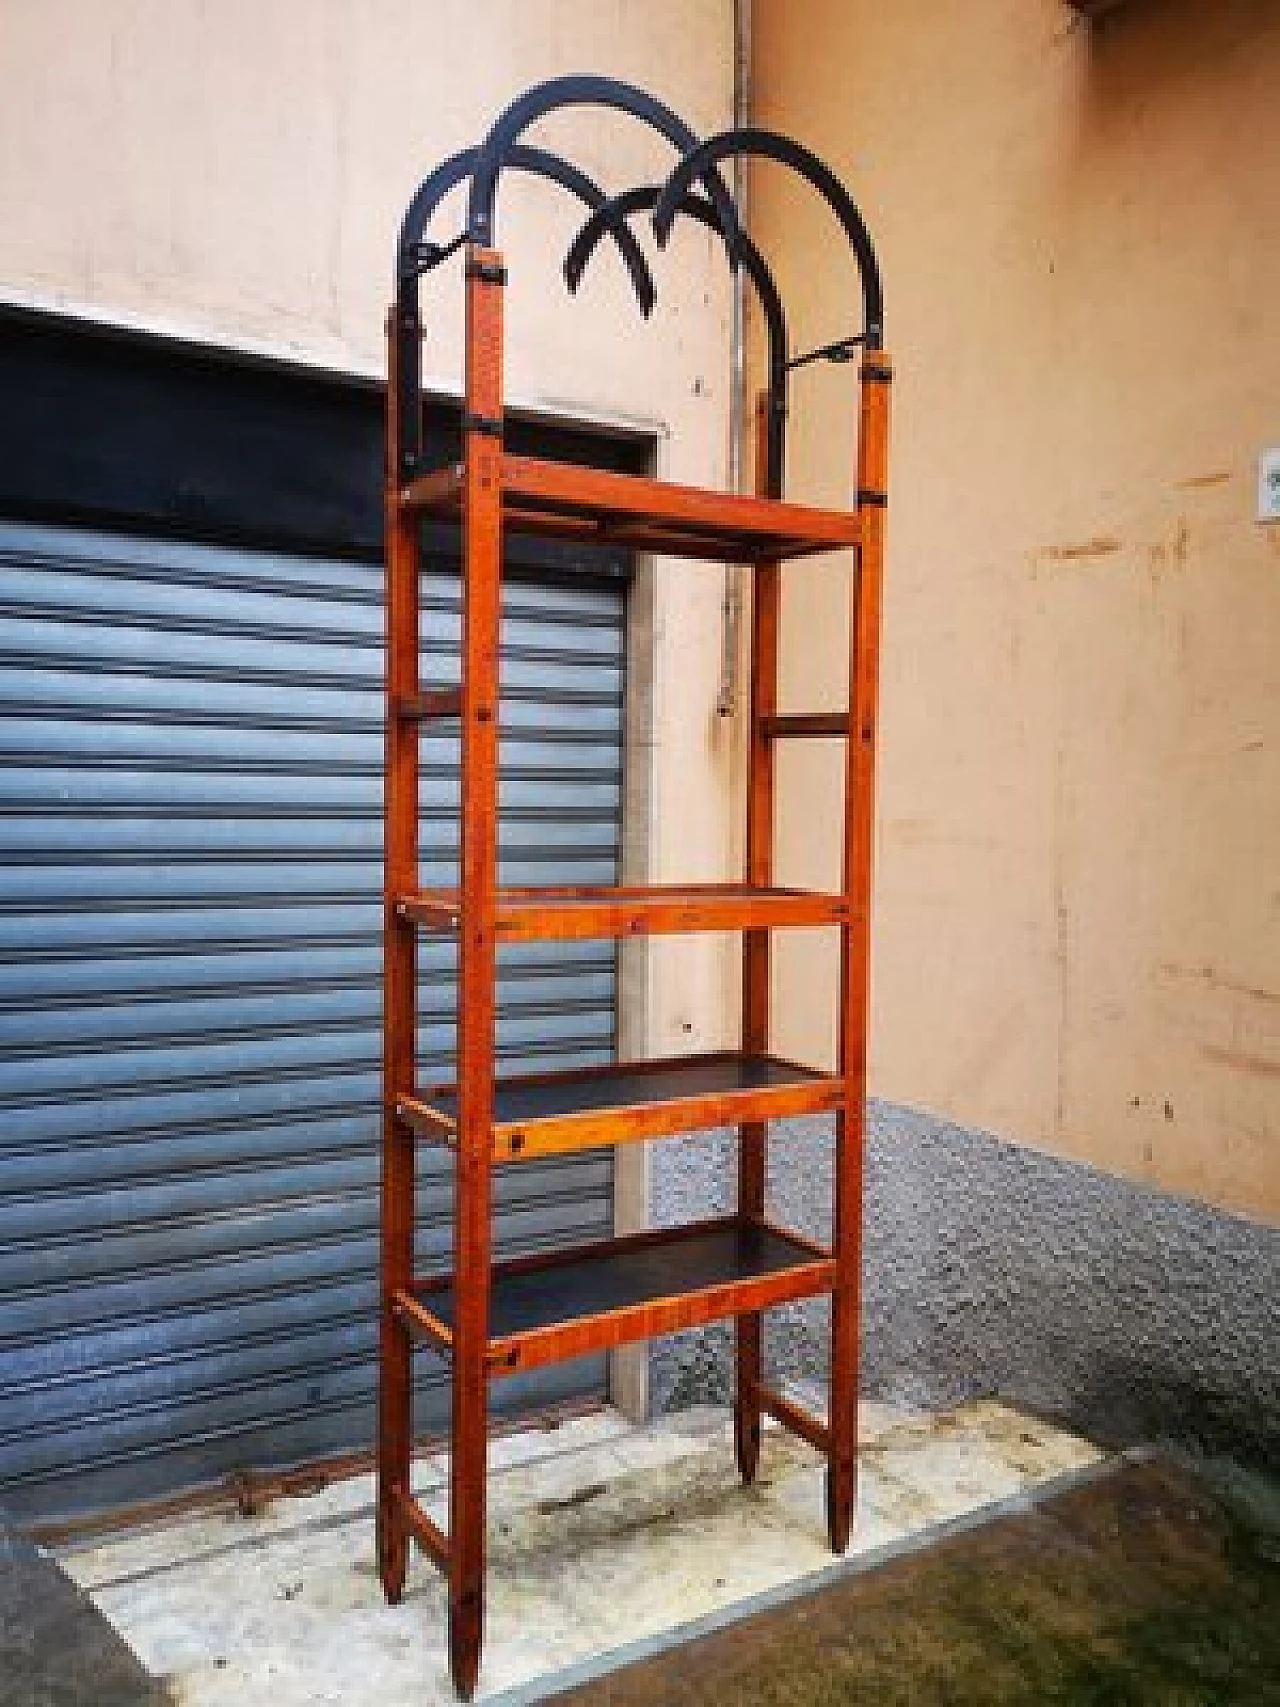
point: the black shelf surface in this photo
(611, 1280)
(634, 1084)
(548, 1113)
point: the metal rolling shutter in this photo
(190, 790)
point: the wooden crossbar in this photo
(424, 1529)
(819, 724)
(798, 1421)
(430, 703)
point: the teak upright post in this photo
(477, 951)
(399, 996)
(753, 1138)
(492, 1319)
(855, 945)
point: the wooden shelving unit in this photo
(492, 1319)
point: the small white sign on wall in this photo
(1269, 485)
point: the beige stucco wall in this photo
(1077, 941)
(236, 172)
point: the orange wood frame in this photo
(489, 491)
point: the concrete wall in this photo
(1078, 910)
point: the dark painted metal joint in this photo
(488, 425)
(869, 499)
(842, 350)
(419, 258)
(488, 272)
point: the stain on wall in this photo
(1080, 731)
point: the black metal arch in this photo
(577, 91)
(645, 196)
(539, 163)
(412, 257)
(770, 145)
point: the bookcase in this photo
(491, 1319)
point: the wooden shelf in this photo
(568, 502)
(568, 1303)
(557, 914)
(548, 1113)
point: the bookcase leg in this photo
(746, 1404)
(394, 1449)
(842, 1460)
(468, 1455)
(466, 1633)
(393, 1547)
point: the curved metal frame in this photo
(538, 163)
(643, 197)
(768, 144)
(577, 91)
(502, 149)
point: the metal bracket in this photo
(867, 499)
(842, 350)
(489, 425)
(876, 371)
(420, 258)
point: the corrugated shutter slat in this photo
(190, 846)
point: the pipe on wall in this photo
(731, 615)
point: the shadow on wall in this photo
(1153, 45)
(1125, 1313)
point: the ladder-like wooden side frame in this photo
(399, 1001)
(855, 946)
